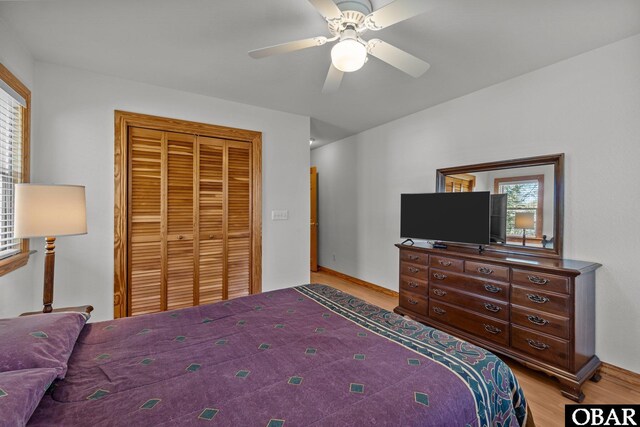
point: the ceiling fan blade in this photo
(400, 59)
(287, 47)
(395, 12)
(334, 78)
(327, 9)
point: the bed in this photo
(309, 355)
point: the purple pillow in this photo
(20, 394)
(39, 341)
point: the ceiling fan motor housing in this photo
(354, 13)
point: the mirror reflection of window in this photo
(462, 183)
(524, 195)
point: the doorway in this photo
(314, 218)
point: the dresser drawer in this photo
(411, 301)
(542, 281)
(489, 271)
(449, 264)
(552, 350)
(492, 308)
(543, 322)
(473, 285)
(414, 257)
(542, 301)
(411, 284)
(481, 326)
(414, 270)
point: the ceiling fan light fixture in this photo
(348, 55)
(348, 21)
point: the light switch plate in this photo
(281, 215)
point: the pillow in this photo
(39, 341)
(20, 394)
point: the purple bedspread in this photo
(309, 355)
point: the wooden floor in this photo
(541, 391)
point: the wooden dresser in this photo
(538, 311)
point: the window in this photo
(14, 165)
(524, 194)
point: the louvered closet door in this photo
(211, 262)
(238, 218)
(189, 221)
(145, 221)
(181, 214)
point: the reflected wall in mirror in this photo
(526, 197)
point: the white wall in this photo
(18, 291)
(15, 56)
(587, 107)
(73, 140)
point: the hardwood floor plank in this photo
(542, 392)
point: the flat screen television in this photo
(498, 218)
(448, 217)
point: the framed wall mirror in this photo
(527, 201)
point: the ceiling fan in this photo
(348, 20)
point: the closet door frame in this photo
(123, 121)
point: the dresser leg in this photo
(572, 390)
(596, 377)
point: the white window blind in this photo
(10, 167)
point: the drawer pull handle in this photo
(485, 270)
(492, 308)
(439, 292)
(413, 285)
(414, 270)
(414, 257)
(537, 299)
(537, 344)
(439, 276)
(445, 263)
(492, 289)
(211, 236)
(438, 310)
(538, 320)
(492, 329)
(538, 280)
(180, 237)
(412, 301)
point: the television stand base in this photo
(407, 241)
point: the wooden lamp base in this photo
(49, 268)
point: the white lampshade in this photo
(525, 220)
(49, 210)
(348, 55)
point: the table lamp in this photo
(525, 221)
(49, 211)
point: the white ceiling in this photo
(201, 46)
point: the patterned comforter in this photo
(310, 355)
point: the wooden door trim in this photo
(123, 121)
(256, 213)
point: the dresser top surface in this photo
(519, 261)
